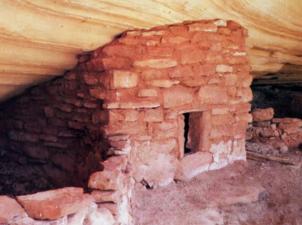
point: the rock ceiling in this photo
(40, 39)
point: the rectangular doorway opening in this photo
(193, 132)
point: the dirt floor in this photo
(251, 193)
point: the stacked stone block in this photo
(148, 78)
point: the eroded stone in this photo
(192, 165)
(10, 209)
(54, 204)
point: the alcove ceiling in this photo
(40, 39)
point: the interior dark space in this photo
(286, 100)
(48, 140)
(187, 147)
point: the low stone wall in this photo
(282, 133)
(106, 203)
(67, 206)
(50, 136)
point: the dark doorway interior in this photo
(187, 148)
(193, 130)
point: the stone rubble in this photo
(271, 135)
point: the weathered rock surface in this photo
(50, 47)
(193, 164)
(9, 210)
(263, 114)
(276, 134)
(54, 204)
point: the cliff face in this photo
(40, 39)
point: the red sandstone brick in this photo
(233, 25)
(222, 119)
(215, 80)
(49, 112)
(76, 125)
(126, 128)
(56, 145)
(232, 91)
(224, 30)
(159, 134)
(120, 50)
(73, 101)
(246, 81)
(70, 76)
(190, 56)
(216, 47)
(90, 105)
(106, 196)
(105, 180)
(22, 136)
(205, 27)
(154, 32)
(36, 151)
(242, 68)
(177, 96)
(57, 122)
(159, 52)
(158, 63)
(235, 60)
(223, 68)
(214, 57)
(194, 81)
(116, 63)
(154, 74)
(148, 93)
(138, 104)
(9, 209)
(65, 107)
(91, 79)
(200, 37)
(231, 79)
(54, 204)
(245, 94)
(99, 93)
(50, 138)
(115, 115)
(213, 94)
(163, 83)
(245, 117)
(153, 115)
(221, 131)
(242, 107)
(100, 117)
(181, 71)
(179, 30)
(203, 70)
(131, 115)
(116, 163)
(263, 114)
(174, 41)
(124, 79)
(166, 125)
(193, 164)
(132, 41)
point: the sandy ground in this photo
(251, 193)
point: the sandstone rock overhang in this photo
(39, 42)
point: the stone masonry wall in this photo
(50, 137)
(148, 78)
(122, 107)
